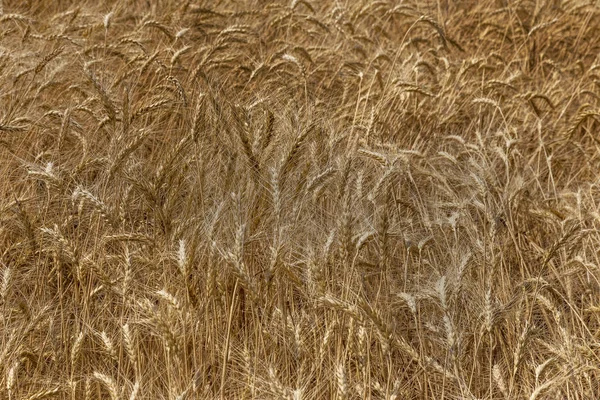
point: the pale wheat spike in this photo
(12, 378)
(395, 390)
(379, 158)
(170, 299)
(319, 180)
(499, 379)
(87, 388)
(340, 376)
(518, 352)
(362, 240)
(182, 259)
(76, 349)
(275, 385)
(325, 341)
(135, 391)
(108, 345)
(410, 301)
(44, 394)
(107, 20)
(6, 280)
(149, 108)
(179, 53)
(109, 384)
(380, 185)
(542, 388)
(130, 348)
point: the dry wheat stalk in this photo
(358, 250)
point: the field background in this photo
(299, 199)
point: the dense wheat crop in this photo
(299, 199)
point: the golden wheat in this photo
(299, 200)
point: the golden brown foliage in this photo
(299, 199)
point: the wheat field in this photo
(274, 199)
